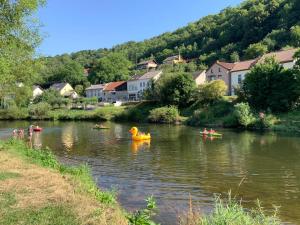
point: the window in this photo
(144, 84)
(211, 71)
(239, 79)
(141, 84)
(219, 76)
(219, 69)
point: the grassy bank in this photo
(102, 114)
(36, 189)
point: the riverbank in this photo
(221, 114)
(36, 189)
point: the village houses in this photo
(115, 91)
(138, 84)
(36, 91)
(147, 65)
(175, 59)
(95, 91)
(199, 77)
(64, 89)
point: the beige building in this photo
(146, 65)
(220, 71)
(175, 59)
(64, 89)
(36, 91)
(199, 77)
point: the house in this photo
(138, 84)
(36, 91)
(64, 89)
(220, 71)
(146, 65)
(238, 73)
(175, 59)
(115, 91)
(240, 69)
(199, 77)
(283, 57)
(95, 91)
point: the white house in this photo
(115, 91)
(238, 73)
(36, 91)
(240, 69)
(95, 91)
(139, 84)
(199, 77)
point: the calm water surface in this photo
(179, 164)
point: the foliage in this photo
(175, 89)
(143, 216)
(53, 98)
(243, 113)
(19, 36)
(232, 212)
(39, 110)
(261, 24)
(265, 121)
(167, 114)
(268, 86)
(112, 67)
(210, 92)
(255, 50)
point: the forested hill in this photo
(266, 23)
(246, 31)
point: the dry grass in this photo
(37, 187)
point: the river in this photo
(179, 164)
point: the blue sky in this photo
(73, 25)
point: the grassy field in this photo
(36, 189)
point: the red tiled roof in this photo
(281, 56)
(113, 85)
(243, 65)
(226, 65)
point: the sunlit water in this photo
(179, 164)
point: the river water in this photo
(179, 164)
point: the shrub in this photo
(243, 114)
(269, 86)
(39, 110)
(211, 92)
(265, 121)
(230, 121)
(168, 114)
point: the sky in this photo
(74, 25)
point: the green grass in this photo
(46, 158)
(231, 212)
(8, 175)
(49, 215)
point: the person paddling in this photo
(205, 131)
(211, 131)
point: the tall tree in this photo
(113, 67)
(19, 37)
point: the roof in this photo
(146, 62)
(96, 86)
(113, 85)
(226, 65)
(173, 57)
(36, 86)
(148, 75)
(197, 73)
(58, 86)
(281, 56)
(243, 65)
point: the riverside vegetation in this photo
(37, 189)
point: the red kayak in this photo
(37, 129)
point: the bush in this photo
(39, 110)
(243, 114)
(211, 92)
(230, 121)
(269, 86)
(265, 121)
(168, 114)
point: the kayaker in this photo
(205, 131)
(211, 131)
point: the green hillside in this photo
(242, 32)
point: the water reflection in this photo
(179, 162)
(137, 146)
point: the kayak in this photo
(100, 128)
(37, 129)
(212, 134)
